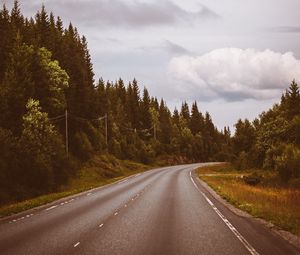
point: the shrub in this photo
(83, 147)
(253, 179)
(288, 162)
(242, 161)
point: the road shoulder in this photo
(291, 238)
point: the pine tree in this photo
(43, 29)
(146, 121)
(16, 18)
(165, 124)
(18, 85)
(291, 100)
(185, 112)
(196, 120)
(6, 37)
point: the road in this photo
(162, 211)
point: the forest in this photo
(55, 115)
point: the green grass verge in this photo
(99, 171)
(267, 200)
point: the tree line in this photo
(272, 141)
(46, 69)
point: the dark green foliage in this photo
(272, 141)
(46, 69)
(287, 163)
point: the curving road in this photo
(162, 211)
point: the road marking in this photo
(123, 181)
(247, 245)
(52, 207)
(75, 245)
(116, 213)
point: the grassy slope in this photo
(100, 170)
(268, 200)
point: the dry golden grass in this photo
(279, 205)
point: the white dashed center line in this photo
(75, 245)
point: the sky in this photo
(235, 58)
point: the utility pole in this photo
(106, 138)
(67, 135)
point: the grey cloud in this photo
(123, 13)
(285, 29)
(175, 48)
(208, 13)
(166, 46)
(113, 40)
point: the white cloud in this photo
(234, 74)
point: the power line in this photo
(57, 117)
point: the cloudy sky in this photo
(234, 58)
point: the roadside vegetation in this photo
(261, 193)
(55, 116)
(62, 131)
(98, 171)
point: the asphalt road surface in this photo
(162, 211)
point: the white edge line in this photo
(52, 207)
(125, 180)
(75, 245)
(247, 245)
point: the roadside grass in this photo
(99, 171)
(268, 200)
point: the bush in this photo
(253, 179)
(288, 162)
(295, 183)
(83, 147)
(241, 162)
